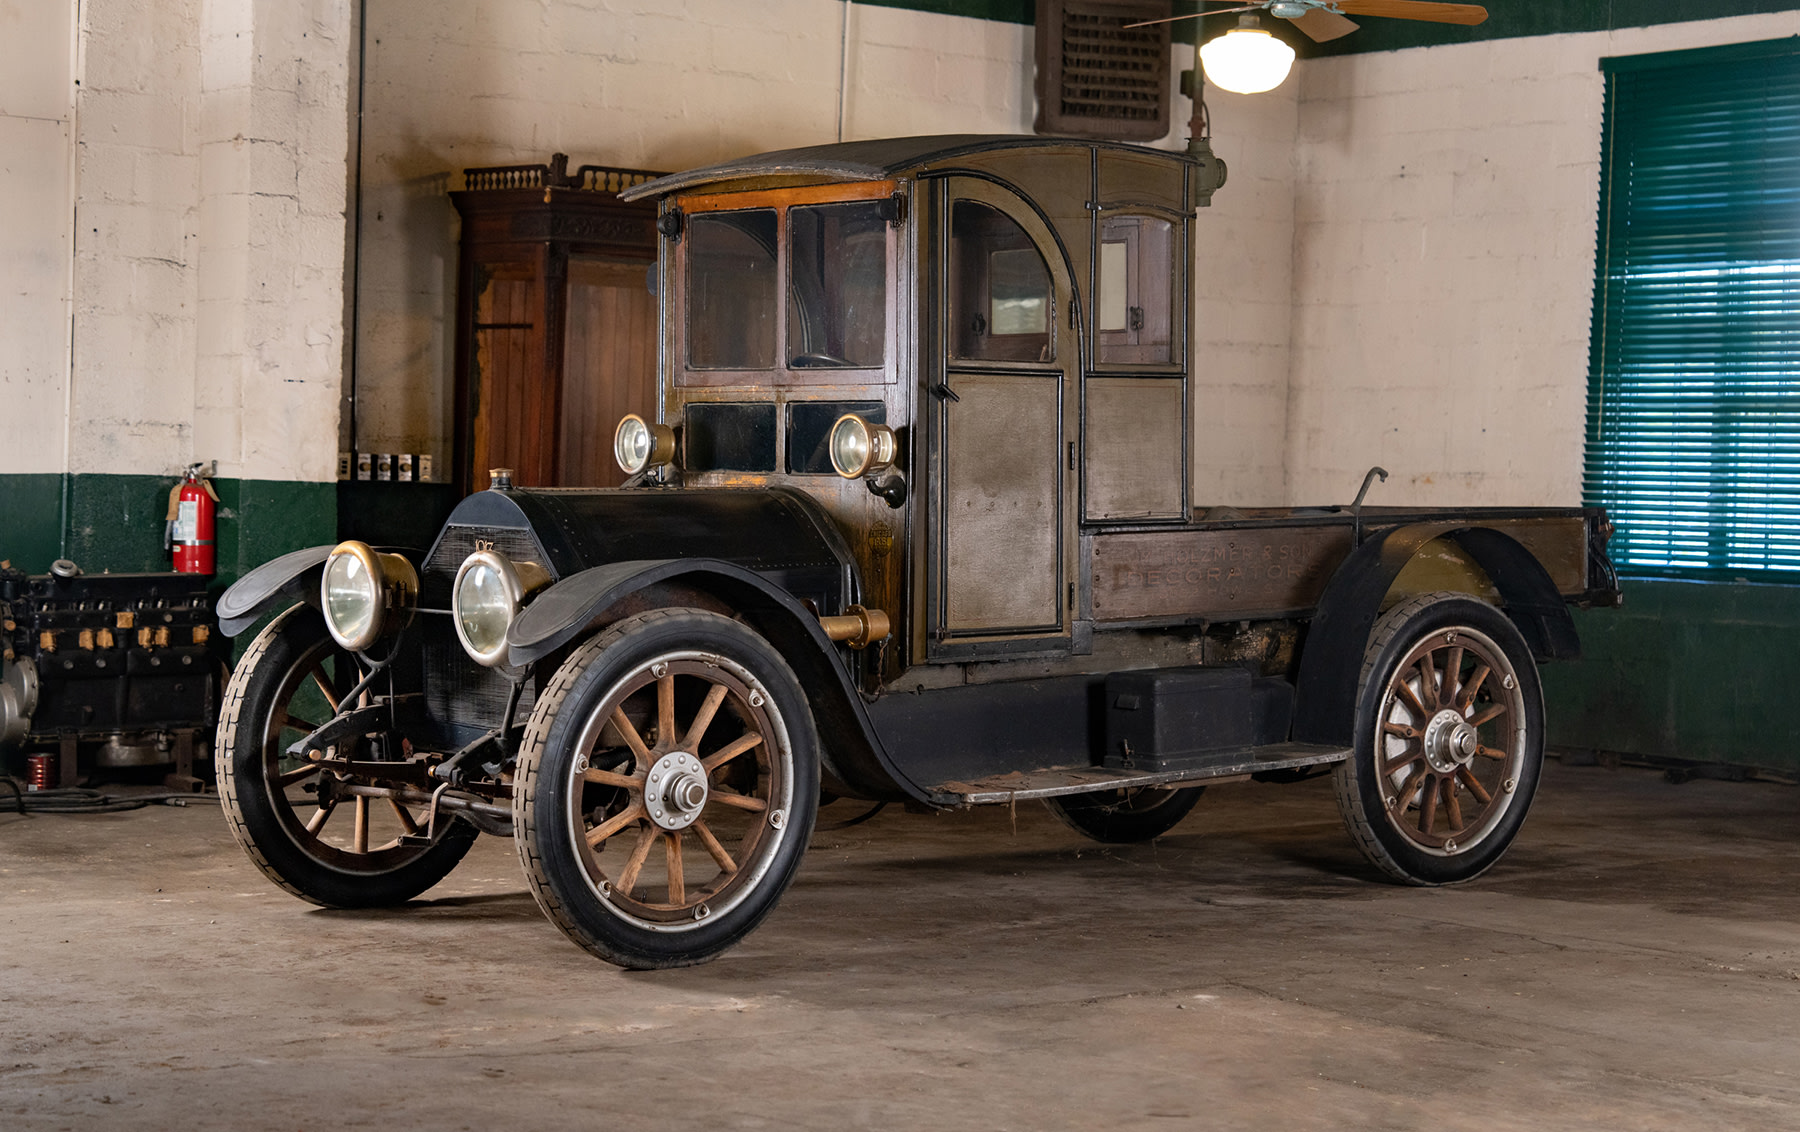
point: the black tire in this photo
(580, 772)
(1122, 817)
(1442, 776)
(286, 672)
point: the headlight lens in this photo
(360, 588)
(639, 444)
(859, 448)
(488, 591)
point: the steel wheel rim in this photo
(372, 827)
(628, 852)
(1450, 741)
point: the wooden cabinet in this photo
(555, 322)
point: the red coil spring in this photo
(40, 772)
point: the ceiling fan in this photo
(1323, 20)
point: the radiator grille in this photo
(460, 695)
(1096, 77)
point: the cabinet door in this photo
(609, 366)
(1001, 429)
(511, 423)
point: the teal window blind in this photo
(1693, 429)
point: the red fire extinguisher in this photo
(192, 507)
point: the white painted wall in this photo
(1443, 263)
(37, 105)
(207, 202)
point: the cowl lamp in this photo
(1247, 59)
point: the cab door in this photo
(999, 398)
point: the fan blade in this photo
(1323, 26)
(1470, 14)
(1197, 15)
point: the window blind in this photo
(1693, 429)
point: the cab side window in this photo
(1002, 304)
(1133, 313)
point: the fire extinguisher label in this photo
(187, 521)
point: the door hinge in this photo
(1071, 455)
(1071, 597)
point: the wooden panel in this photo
(609, 367)
(1002, 518)
(503, 374)
(1134, 441)
(1213, 574)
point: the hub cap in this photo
(675, 792)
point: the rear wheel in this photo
(306, 828)
(666, 788)
(1125, 816)
(1449, 740)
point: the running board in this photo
(1055, 782)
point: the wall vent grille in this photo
(1095, 77)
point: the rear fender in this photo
(853, 759)
(1332, 657)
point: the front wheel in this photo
(1449, 740)
(305, 827)
(666, 788)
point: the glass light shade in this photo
(1246, 60)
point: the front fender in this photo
(294, 577)
(1331, 662)
(852, 755)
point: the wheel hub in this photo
(675, 791)
(1450, 742)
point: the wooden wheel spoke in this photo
(1452, 806)
(632, 738)
(672, 855)
(1429, 681)
(713, 847)
(1428, 803)
(299, 724)
(612, 778)
(665, 712)
(1400, 729)
(359, 834)
(635, 863)
(1405, 692)
(740, 801)
(1452, 674)
(730, 751)
(704, 717)
(1493, 711)
(406, 820)
(1491, 753)
(1467, 696)
(318, 677)
(614, 824)
(1400, 763)
(1473, 785)
(318, 820)
(282, 781)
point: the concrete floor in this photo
(1634, 963)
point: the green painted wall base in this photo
(1699, 671)
(115, 523)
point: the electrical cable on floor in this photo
(75, 800)
(857, 820)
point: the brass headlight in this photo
(485, 598)
(365, 594)
(859, 448)
(638, 444)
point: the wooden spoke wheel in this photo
(1122, 817)
(310, 830)
(667, 786)
(1449, 740)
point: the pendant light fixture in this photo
(1247, 59)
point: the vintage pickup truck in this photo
(914, 525)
